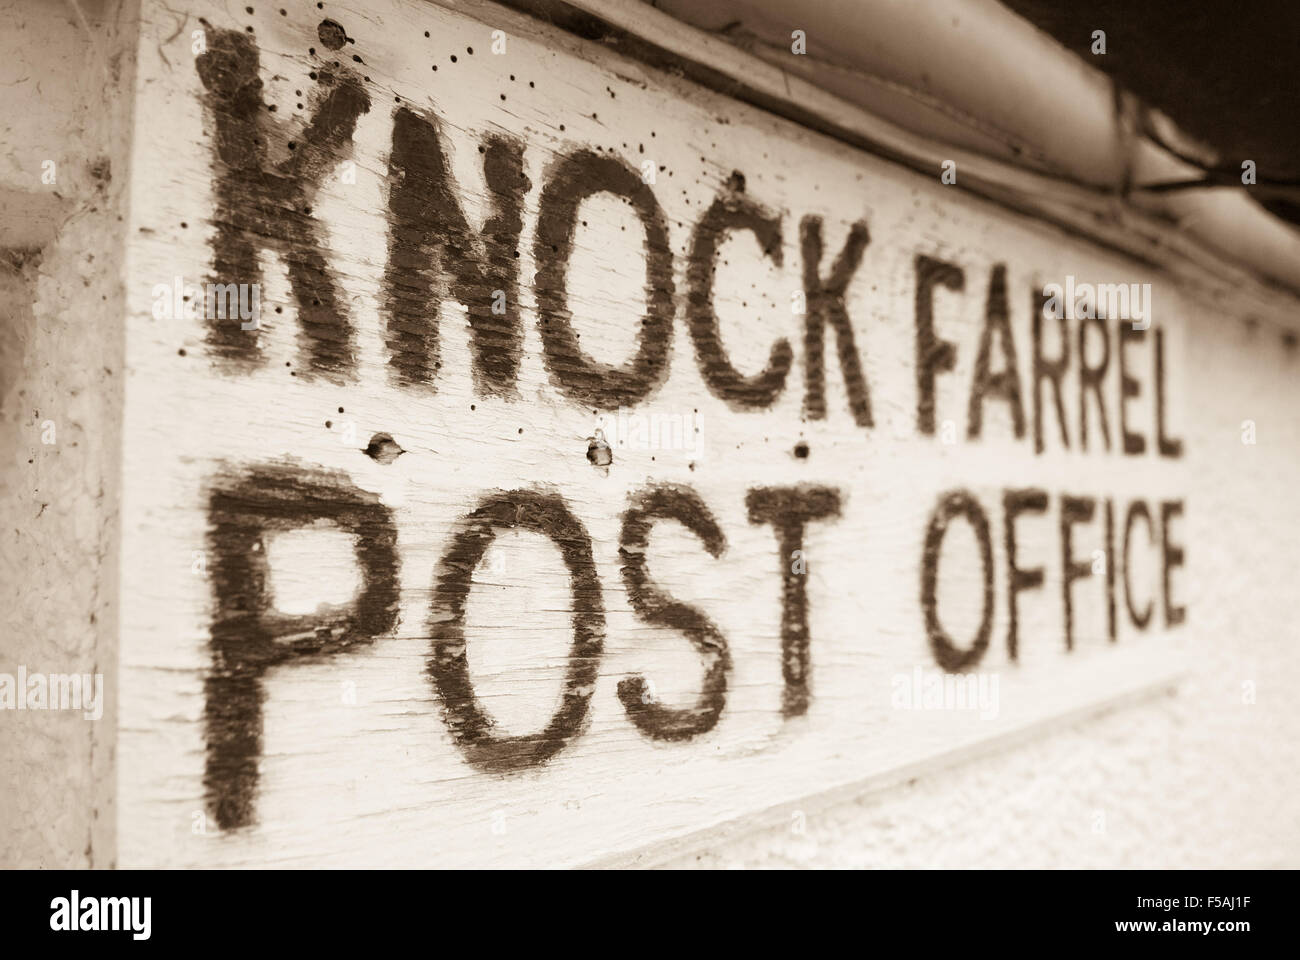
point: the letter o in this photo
(580, 175)
(470, 725)
(948, 656)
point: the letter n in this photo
(433, 255)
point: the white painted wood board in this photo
(358, 763)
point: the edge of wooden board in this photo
(660, 852)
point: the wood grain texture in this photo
(500, 709)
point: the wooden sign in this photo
(532, 458)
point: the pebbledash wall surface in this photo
(457, 444)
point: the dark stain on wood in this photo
(332, 34)
(382, 448)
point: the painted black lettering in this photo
(1110, 570)
(260, 204)
(789, 510)
(1172, 557)
(1133, 444)
(933, 355)
(825, 304)
(470, 724)
(1136, 509)
(434, 255)
(1052, 371)
(1090, 379)
(655, 606)
(245, 507)
(1014, 503)
(958, 503)
(732, 211)
(1169, 447)
(571, 180)
(1073, 510)
(1005, 384)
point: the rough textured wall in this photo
(61, 355)
(1203, 778)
